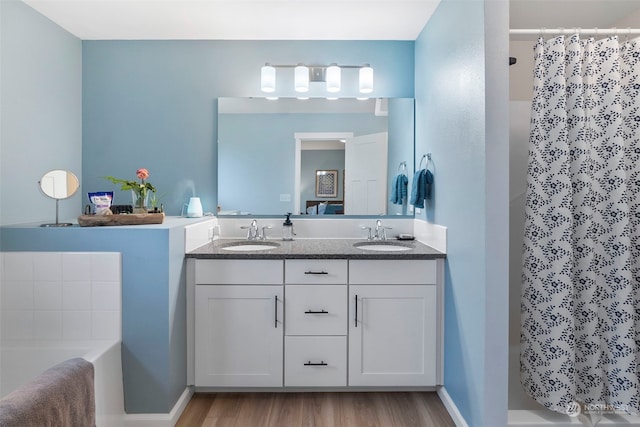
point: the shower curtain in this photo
(580, 324)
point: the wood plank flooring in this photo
(370, 409)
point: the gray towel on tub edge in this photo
(61, 396)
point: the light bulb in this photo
(333, 78)
(301, 78)
(366, 79)
(268, 78)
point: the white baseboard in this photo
(456, 416)
(160, 420)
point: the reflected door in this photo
(366, 174)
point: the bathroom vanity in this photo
(315, 313)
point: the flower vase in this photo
(140, 202)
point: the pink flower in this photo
(142, 173)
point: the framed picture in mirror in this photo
(326, 183)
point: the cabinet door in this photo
(239, 336)
(392, 335)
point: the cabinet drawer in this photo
(315, 361)
(238, 272)
(402, 272)
(316, 271)
(316, 310)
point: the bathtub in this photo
(526, 412)
(21, 361)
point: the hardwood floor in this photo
(370, 409)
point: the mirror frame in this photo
(391, 172)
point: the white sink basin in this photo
(384, 246)
(250, 246)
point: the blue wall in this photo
(450, 96)
(41, 120)
(469, 147)
(153, 103)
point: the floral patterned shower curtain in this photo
(580, 331)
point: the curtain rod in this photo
(570, 31)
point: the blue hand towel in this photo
(418, 189)
(399, 189)
(428, 181)
(421, 188)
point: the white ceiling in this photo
(239, 19)
(304, 19)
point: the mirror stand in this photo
(57, 223)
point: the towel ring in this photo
(428, 159)
(402, 168)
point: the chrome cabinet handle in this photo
(315, 272)
(322, 363)
(316, 312)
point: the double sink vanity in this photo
(315, 313)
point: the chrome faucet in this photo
(380, 231)
(252, 234)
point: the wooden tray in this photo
(122, 219)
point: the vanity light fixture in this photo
(303, 75)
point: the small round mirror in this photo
(59, 184)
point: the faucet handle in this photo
(369, 236)
(263, 236)
(383, 232)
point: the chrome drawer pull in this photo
(322, 363)
(316, 312)
(315, 272)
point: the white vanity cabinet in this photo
(316, 323)
(239, 325)
(394, 323)
(335, 323)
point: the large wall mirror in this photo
(313, 157)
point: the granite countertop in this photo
(314, 248)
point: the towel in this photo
(421, 187)
(61, 396)
(399, 189)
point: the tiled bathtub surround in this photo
(60, 295)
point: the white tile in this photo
(106, 325)
(76, 295)
(47, 295)
(18, 266)
(76, 266)
(105, 267)
(47, 325)
(17, 324)
(47, 266)
(105, 296)
(76, 325)
(18, 295)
